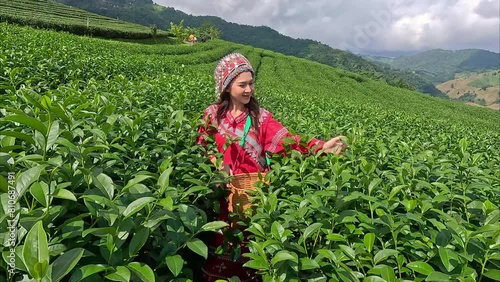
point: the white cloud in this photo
(488, 9)
(366, 26)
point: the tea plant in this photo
(97, 139)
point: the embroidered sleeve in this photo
(208, 127)
(315, 145)
(273, 133)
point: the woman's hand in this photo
(222, 166)
(227, 169)
(335, 145)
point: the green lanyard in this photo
(248, 123)
(245, 132)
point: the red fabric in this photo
(222, 266)
(251, 157)
(247, 159)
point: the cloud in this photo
(489, 9)
(366, 26)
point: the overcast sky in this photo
(366, 26)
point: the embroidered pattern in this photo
(252, 145)
(276, 139)
(228, 68)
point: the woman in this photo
(238, 116)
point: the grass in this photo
(485, 80)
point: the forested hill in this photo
(145, 12)
(441, 65)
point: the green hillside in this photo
(487, 79)
(53, 15)
(442, 65)
(479, 88)
(99, 162)
(348, 61)
(146, 13)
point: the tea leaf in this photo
(53, 134)
(65, 194)
(105, 184)
(197, 246)
(257, 263)
(164, 180)
(139, 239)
(313, 228)
(122, 274)
(373, 279)
(437, 276)
(493, 217)
(29, 121)
(18, 135)
(282, 256)
(449, 258)
(443, 238)
(493, 274)
(99, 231)
(383, 255)
(36, 251)
(420, 267)
(214, 225)
(369, 240)
(40, 191)
(307, 264)
(143, 271)
(26, 178)
(388, 274)
(136, 206)
(175, 264)
(87, 270)
(65, 263)
(335, 237)
(136, 180)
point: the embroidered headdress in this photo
(229, 67)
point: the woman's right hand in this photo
(227, 169)
(335, 145)
(223, 166)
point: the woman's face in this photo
(241, 88)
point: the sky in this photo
(377, 27)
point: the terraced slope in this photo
(53, 15)
(98, 161)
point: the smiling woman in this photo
(238, 116)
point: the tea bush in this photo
(101, 178)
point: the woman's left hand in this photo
(335, 145)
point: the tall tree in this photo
(178, 31)
(208, 30)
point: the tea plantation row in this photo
(101, 178)
(53, 15)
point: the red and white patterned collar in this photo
(236, 120)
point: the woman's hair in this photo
(253, 107)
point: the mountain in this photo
(338, 58)
(146, 12)
(441, 65)
(475, 88)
